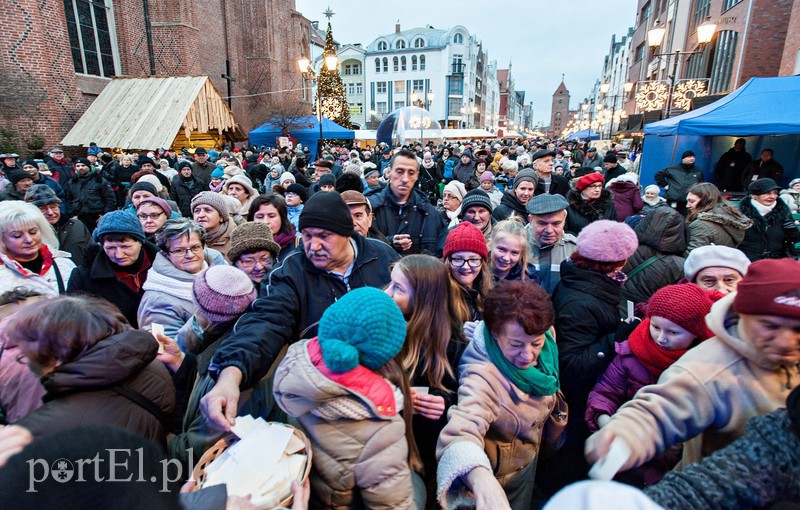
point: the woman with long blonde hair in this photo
(420, 286)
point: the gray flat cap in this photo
(546, 204)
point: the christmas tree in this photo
(330, 89)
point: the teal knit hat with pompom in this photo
(364, 327)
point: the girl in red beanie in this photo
(675, 322)
(467, 257)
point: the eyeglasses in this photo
(290, 195)
(265, 261)
(595, 186)
(153, 216)
(459, 262)
(193, 250)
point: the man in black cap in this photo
(332, 261)
(202, 167)
(774, 233)
(550, 245)
(613, 168)
(548, 182)
(678, 179)
(89, 195)
(20, 181)
(730, 168)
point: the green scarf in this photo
(540, 380)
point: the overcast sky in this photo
(540, 40)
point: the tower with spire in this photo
(559, 114)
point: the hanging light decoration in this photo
(652, 95)
(686, 91)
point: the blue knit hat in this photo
(218, 173)
(119, 222)
(364, 327)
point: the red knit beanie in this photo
(770, 287)
(686, 305)
(466, 237)
(587, 180)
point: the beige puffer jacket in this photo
(495, 424)
(707, 396)
(355, 449)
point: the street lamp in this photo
(627, 87)
(304, 64)
(655, 36)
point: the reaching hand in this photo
(12, 440)
(220, 405)
(172, 355)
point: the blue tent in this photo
(307, 135)
(763, 111)
(586, 134)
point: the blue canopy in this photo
(762, 106)
(307, 134)
(585, 134)
(763, 111)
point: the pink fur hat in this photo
(607, 241)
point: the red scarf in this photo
(47, 262)
(361, 380)
(654, 358)
(135, 280)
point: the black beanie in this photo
(687, 154)
(327, 211)
(17, 174)
(83, 161)
(297, 189)
(610, 157)
(327, 180)
(144, 186)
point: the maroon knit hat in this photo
(587, 180)
(686, 305)
(770, 287)
(466, 237)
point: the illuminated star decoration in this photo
(687, 90)
(328, 13)
(652, 95)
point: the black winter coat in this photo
(661, 233)
(509, 205)
(73, 237)
(580, 212)
(96, 276)
(417, 218)
(772, 236)
(184, 191)
(587, 319)
(290, 305)
(679, 178)
(78, 392)
(729, 170)
(559, 185)
(90, 195)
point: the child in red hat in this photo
(675, 322)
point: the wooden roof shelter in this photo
(151, 112)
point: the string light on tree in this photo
(687, 90)
(333, 100)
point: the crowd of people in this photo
(469, 325)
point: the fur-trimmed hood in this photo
(628, 177)
(728, 219)
(593, 210)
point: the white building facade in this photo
(438, 67)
